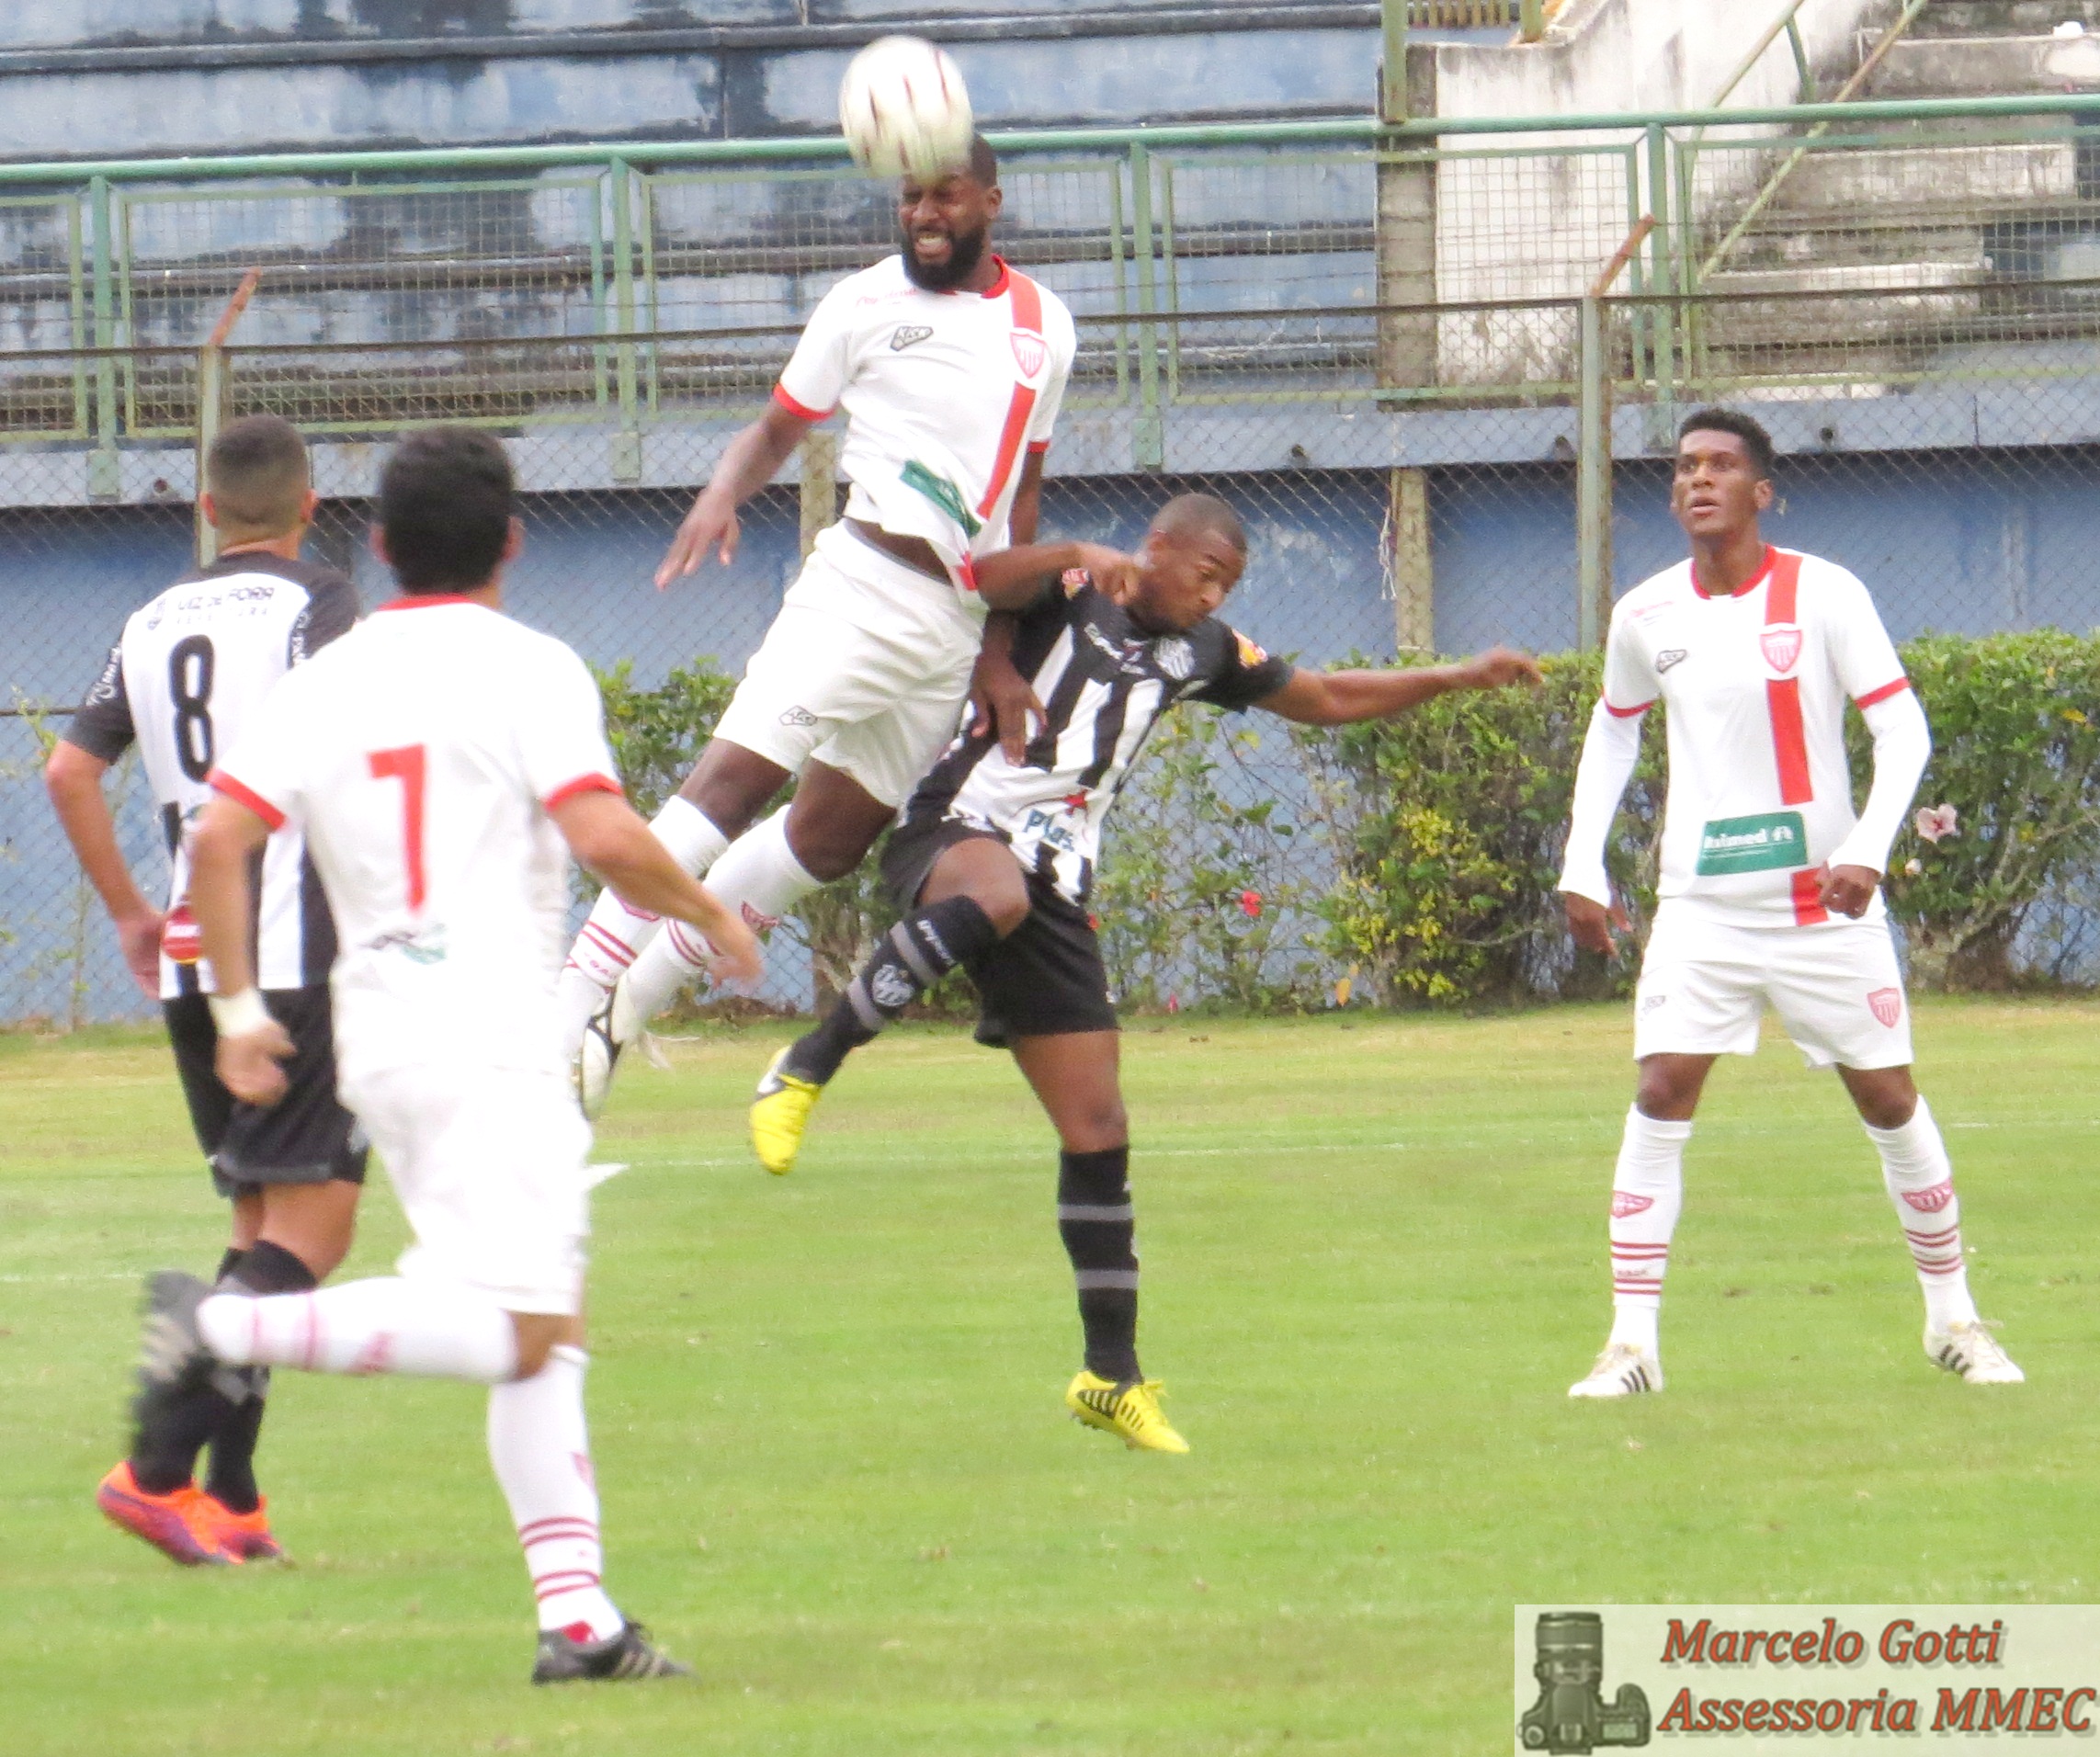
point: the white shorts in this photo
(864, 668)
(489, 1166)
(1836, 988)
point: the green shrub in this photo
(2015, 724)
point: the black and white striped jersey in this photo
(184, 676)
(1103, 682)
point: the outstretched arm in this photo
(1338, 697)
(1610, 750)
(750, 462)
(74, 779)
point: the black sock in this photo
(908, 959)
(1096, 1221)
(265, 1268)
(173, 1430)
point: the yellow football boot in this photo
(1130, 1412)
(779, 1112)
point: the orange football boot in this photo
(241, 1537)
(173, 1523)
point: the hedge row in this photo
(1412, 862)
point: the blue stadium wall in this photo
(1960, 541)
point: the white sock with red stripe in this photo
(1920, 1177)
(1646, 1191)
(759, 875)
(542, 1451)
(423, 1329)
(615, 934)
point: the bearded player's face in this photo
(947, 224)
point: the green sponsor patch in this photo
(1762, 844)
(943, 493)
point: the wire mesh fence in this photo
(1380, 358)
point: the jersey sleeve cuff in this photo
(583, 784)
(801, 411)
(1618, 712)
(242, 794)
(1882, 693)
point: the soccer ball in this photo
(904, 109)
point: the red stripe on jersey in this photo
(426, 600)
(1027, 316)
(1789, 739)
(1808, 911)
(1626, 713)
(1783, 695)
(241, 794)
(801, 411)
(1882, 693)
(1785, 570)
(581, 784)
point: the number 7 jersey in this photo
(189, 670)
(422, 755)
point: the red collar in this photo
(1750, 584)
(423, 600)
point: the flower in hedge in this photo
(1936, 821)
(1251, 904)
(1914, 865)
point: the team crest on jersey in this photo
(1076, 580)
(1031, 353)
(1174, 656)
(905, 334)
(1782, 646)
(1887, 1004)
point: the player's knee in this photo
(1005, 908)
(1666, 1093)
(1094, 1127)
(537, 1333)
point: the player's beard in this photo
(965, 251)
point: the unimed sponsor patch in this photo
(1770, 841)
(1779, 1677)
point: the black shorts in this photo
(1044, 979)
(306, 1137)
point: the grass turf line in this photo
(836, 1475)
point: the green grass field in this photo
(836, 1475)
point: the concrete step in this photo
(1865, 180)
(2003, 17)
(1987, 66)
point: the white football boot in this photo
(1622, 1370)
(1971, 1351)
(606, 1034)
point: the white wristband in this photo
(237, 1015)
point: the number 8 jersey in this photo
(182, 683)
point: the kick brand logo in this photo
(1887, 1005)
(1782, 647)
(1668, 657)
(1571, 1714)
(905, 334)
(797, 717)
(1930, 1201)
(1031, 353)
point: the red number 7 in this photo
(405, 765)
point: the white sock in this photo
(759, 875)
(1920, 1179)
(386, 1325)
(542, 1451)
(1646, 1191)
(615, 934)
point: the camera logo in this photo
(1571, 1714)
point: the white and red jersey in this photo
(421, 755)
(1754, 684)
(944, 394)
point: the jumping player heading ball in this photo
(994, 857)
(1770, 884)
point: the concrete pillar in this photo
(1407, 245)
(820, 485)
(1413, 576)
